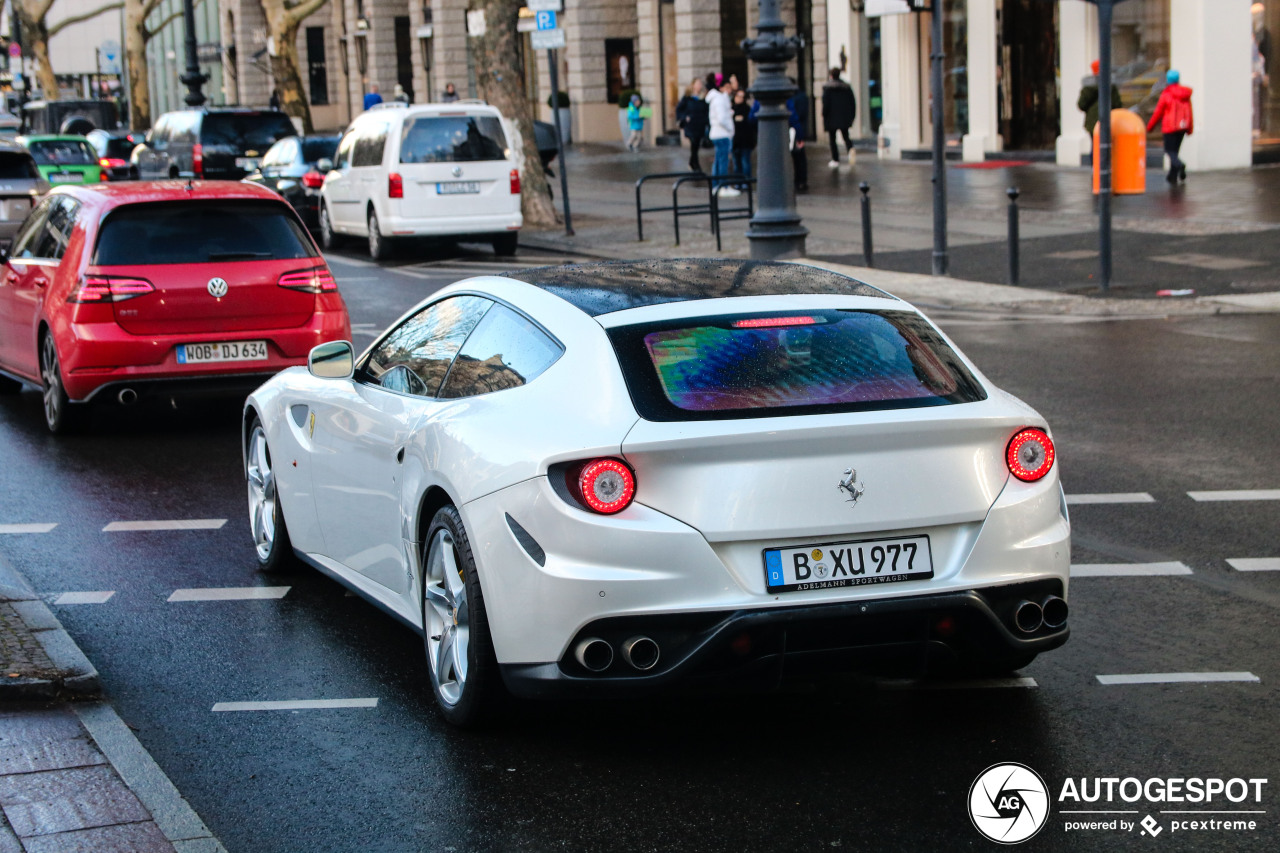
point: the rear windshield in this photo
(452, 139)
(16, 165)
(197, 232)
(244, 131)
(318, 148)
(744, 366)
(63, 152)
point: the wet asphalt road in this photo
(1163, 407)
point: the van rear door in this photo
(455, 164)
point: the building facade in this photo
(1014, 70)
(167, 56)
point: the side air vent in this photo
(527, 542)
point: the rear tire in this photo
(61, 416)
(329, 239)
(379, 245)
(266, 516)
(504, 245)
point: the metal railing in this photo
(711, 207)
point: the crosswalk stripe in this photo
(1255, 564)
(1112, 498)
(179, 524)
(84, 597)
(1125, 570)
(1237, 495)
(296, 705)
(234, 593)
(26, 528)
(1178, 678)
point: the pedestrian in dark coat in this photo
(744, 132)
(839, 109)
(1173, 113)
(693, 117)
(1087, 103)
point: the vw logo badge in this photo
(217, 287)
(457, 171)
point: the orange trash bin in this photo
(1128, 154)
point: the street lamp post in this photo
(193, 79)
(775, 230)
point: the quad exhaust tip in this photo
(1028, 617)
(641, 652)
(1055, 611)
(594, 654)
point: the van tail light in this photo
(1030, 455)
(605, 486)
(395, 185)
(317, 280)
(313, 180)
(197, 159)
(104, 288)
(515, 182)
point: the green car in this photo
(64, 159)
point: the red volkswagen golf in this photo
(117, 291)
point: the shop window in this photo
(317, 70)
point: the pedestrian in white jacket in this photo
(720, 109)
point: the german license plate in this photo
(247, 163)
(231, 351)
(848, 564)
(458, 188)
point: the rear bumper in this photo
(394, 225)
(908, 636)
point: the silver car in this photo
(20, 187)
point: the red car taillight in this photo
(197, 159)
(313, 180)
(395, 185)
(317, 280)
(606, 486)
(515, 182)
(103, 288)
(1030, 455)
(773, 322)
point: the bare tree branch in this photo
(150, 32)
(304, 9)
(76, 19)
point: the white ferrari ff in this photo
(620, 476)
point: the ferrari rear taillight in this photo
(605, 485)
(104, 288)
(317, 280)
(395, 185)
(1030, 454)
(515, 182)
(313, 180)
(197, 159)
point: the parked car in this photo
(615, 477)
(223, 143)
(64, 159)
(10, 125)
(21, 185)
(295, 168)
(439, 170)
(68, 116)
(114, 148)
(116, 291)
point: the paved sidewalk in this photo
(72, 775)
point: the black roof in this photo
(602, 288)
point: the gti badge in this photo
(457, 171)
(851, 485)
(217, 287)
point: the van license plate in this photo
(458, 188)
(848, 564)
(231, 351)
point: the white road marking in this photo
(84, 597)
(296, 705)
(26, 528)
(1255, 564)
(1127, 570)
(1239, 495)
(1112, 498)
(179, 524)
(232, 593)
(1178, 678)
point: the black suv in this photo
(212, 144)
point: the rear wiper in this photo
(231, 256)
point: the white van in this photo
(432, 170)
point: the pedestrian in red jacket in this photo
(1174, 113)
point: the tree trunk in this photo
(288, 80)
(35, 37)
(502, 85)
(135, 57)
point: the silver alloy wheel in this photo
(52, 380)
(262, 493)
(375, 236)
(447, 616)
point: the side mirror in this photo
(333, 360)
(324, 165)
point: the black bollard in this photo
(866, 224)
(1012, 192)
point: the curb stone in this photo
(75, 676)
